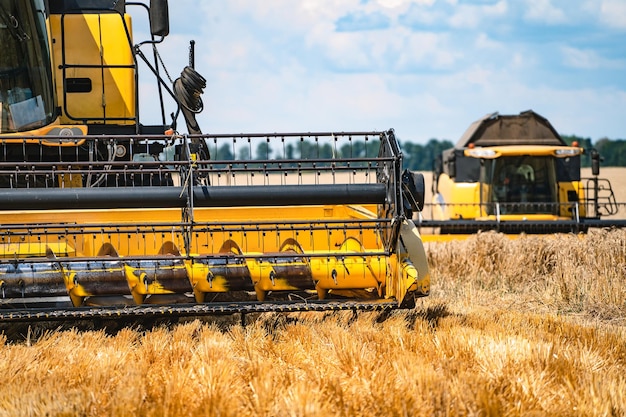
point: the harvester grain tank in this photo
(514, 173)
(105, 216)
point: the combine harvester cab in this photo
(516, 174)
(102, 216)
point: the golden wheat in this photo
(516, 327)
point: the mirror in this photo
(595, 162)
(159, 18)
(452, 166)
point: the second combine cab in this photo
(514, 174)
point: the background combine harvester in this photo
(103, 216)
(515, 174)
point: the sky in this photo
(425, 68)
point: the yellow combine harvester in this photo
(514, 174)
(103, 216)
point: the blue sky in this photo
(426, 68)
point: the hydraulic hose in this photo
(188, 89)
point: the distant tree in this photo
(290, 154)
(613, 152)
(223, 153)
(325, 151)
(421, 157)
(358, 149)
(346, 150)
(372, 148)
(585, 143)
(416, 156)
(308, 150)
(243, 154)
(412, 154)
(263, 150)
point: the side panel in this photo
(457, 200)
(572, 192)
(95, 68)
(570, 186)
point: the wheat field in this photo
(533, 326)
(529, 326)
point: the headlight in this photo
(481, 153)
(565, 152)
(65, 136)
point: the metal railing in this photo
(286, 169)
(600, 199)
(517, 217)
(229, 160)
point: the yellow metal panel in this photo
(522, 150)
(522, 217)
(331, 258)
(100, 40)
(462, 200)
(566, 210)
(415, 268)
(34, 249)
(89, 243)
(346, 273)
(53, 129)
(119, 82)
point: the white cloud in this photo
(589, 59)
(544, 11)
(403, 5)
(391, 4)
(474, 16)
(613, 13)
(483, 41)
(577, 58)
(478, 75)
(280, 65)
(427, 50)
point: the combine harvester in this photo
(515, 174)
(102, 216)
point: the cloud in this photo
(362, 21)
(484, 42)
(474, 16)
(404, 3)
(544, 11)
(613, 13)
(426, 68)
(589, 59)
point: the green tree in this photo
(613, 152)
(224, 153)
(419, 157)
(263, 150)
(326, 151)
(307, 150)
(290, 153)
(243, 154)
(372, 148)
(584, 143)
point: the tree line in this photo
(416, 156)
(613, 152)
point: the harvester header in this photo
(130, 236)
(103, 215)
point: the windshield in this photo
(26, 94)
(521, 184)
